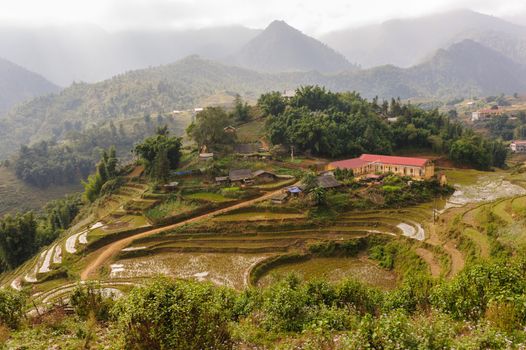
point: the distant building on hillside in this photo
(518, 146)
(485, 113)
(366, 164)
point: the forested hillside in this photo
(465, 69)
(18, 84)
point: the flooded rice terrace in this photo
(222, 269)
(474, 187)
(334, 270)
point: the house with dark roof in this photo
(418, 168)
(240, 175)
(327, 181)
(264, 176)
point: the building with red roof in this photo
(418, 168)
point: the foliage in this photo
(175, 315)
(208, 128)
(11, 308)
(160, 154)
(344, 124)
(88, 300)
(106, 171)
(44, 164)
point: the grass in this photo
(335, 269)
(251, 131)
(170, 208)
(209, 196)
(17, 196)
(480, 240)
(256, 216)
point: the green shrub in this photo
(87, 301)
(11, 308)
(175, 315)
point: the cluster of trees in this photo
(22, 235)
(46, 164)
(160, 154)
(106, 173)
(209, 128)
(344, 125)
(50, 163)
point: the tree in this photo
(272, 103)
(160, 153)
(319, 195)
(208, 128)
(241, 110)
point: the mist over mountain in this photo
(406, 42)
(282, 48)
(64, 54)
(18, 84)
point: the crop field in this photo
(209, 196)
(335, 269)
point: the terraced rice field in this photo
(265, 233)
(209, 196)
(222, 269)
(335, 269)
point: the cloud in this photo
(312, 16)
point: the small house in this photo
(206, 156)
(280, 198)
(327, 182)
(172, 186)
(241, 175)
(518, 146)
(294, 190)
(264, 176)
(222, 180)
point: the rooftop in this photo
(327, 181)
(353, 163)
(409, 161)
(240, 174)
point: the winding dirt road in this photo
(106, 253)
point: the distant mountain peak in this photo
(283, 48)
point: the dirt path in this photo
(104, 254)
(430, 259)
(457, 260)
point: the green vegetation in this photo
(46, 164)
(208, 128)
(22, 235)
(160, 154)
(106, 175)
(344, 124)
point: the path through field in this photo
(104, 254)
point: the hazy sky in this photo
(312, 16)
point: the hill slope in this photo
(18, 84)
(464, 69)
(406, 42)
(282, 48)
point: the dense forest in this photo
(341, 125)
(23, 234)
(73, 159)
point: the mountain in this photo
(18, 84)
(282, 48)
(464, 69)
(182, 85)
(406, 42)
(88, 53)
